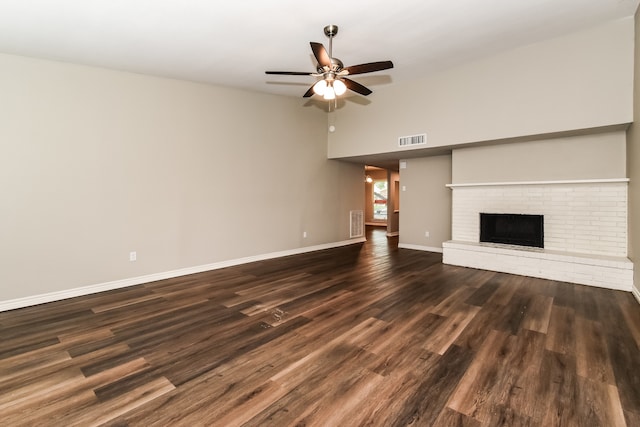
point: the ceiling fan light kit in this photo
(333, 73)
(329, 89)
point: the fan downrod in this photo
(330, 30)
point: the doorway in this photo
(382, 199)
(376, 196)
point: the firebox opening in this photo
(512, 229)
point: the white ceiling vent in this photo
(356, 224)
(406, 141)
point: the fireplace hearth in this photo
(512, 229)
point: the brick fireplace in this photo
(585, 230)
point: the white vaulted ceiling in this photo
(233, 43)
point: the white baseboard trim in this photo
(636, 293)
(117, 284)
(420, 247)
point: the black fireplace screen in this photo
(512, 229)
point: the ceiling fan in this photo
(334, 74)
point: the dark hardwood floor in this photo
(360, 335)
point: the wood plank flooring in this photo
(361, 335)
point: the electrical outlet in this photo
(304, 234)
(426, 234)
(133, 256)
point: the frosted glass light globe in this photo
(320, 87)
(339, 87)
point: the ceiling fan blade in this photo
(289, 73)
(321, 54)
(369, 67)
(356, 87)
(308, 93)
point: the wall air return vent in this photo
(356, 224)
(407, 141)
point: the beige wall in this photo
(597, 156)
(580, 81)
(98, 163)
(633, 168)
(425, 202)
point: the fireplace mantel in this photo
(561, 182)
